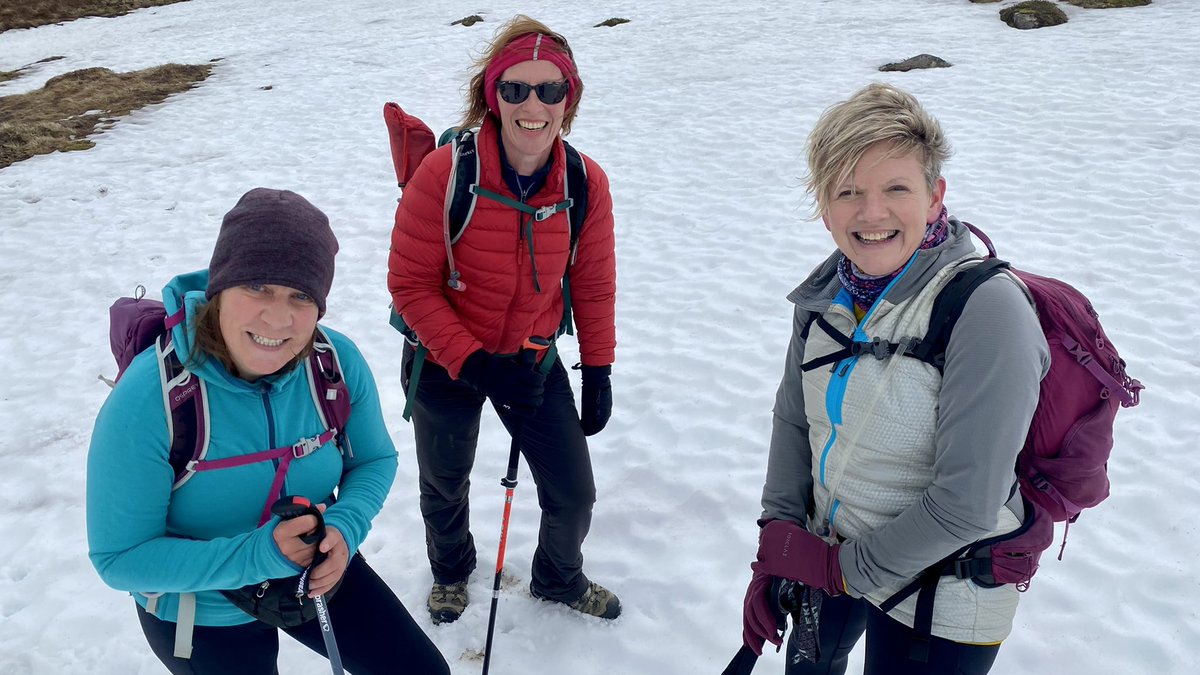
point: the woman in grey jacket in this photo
(882, 465)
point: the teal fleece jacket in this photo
(147, 539)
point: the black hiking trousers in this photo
(445, 418)
(375, 636)
(844, 620)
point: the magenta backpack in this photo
(1063, 467)
(137, 324)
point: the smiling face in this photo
(878, 216)
(265, 326)
(528, 128)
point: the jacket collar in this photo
(822, 286)
(491, 175)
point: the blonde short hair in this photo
(877, 113)
(477, 107)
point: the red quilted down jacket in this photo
(500, 307)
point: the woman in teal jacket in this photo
(250, 325)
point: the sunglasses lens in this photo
(549, 93)
(552, 92)
(513, 92)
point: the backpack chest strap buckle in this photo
(877, 347)
(307, 446)
(546, 211)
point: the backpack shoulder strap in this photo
(185, 401)
(948, 307)
(328, 387)
(464, 173)
(575, 194)
(460, 195)
(577, 191)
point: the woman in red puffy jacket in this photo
(507, 270)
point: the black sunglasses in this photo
(548, 92)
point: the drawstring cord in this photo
(528, 228)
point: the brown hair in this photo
(209, 341)
(477, 107)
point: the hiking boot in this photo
(447, 602)
(596, 601)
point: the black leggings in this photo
(375, 635)
(845, 619)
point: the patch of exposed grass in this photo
(70, 107)
(615, 21)
(467, 20)
(32, 13)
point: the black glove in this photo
(510, 384)
(595, 404)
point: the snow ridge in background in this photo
(1077, 151)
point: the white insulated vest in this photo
(872, 432)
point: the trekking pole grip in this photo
(294, 506)
(289, 507)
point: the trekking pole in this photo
(292, 507)
(527, 356)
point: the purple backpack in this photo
(1063, 467)
(137, 324)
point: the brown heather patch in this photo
(32, 13)
(70, 107)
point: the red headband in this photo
(529, 47)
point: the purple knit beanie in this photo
(274, 237)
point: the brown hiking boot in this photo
(596, 601)
(447, 602)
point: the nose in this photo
(277, 313)
(873, 209)
(531, 102)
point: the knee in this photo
(569, 503)
(452, 489)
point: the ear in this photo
(936, 198)
(825, 219)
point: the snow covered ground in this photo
(1078, 150)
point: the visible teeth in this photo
(266, 342)
(876, 236)
(532, 126)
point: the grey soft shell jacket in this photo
(979, 411)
